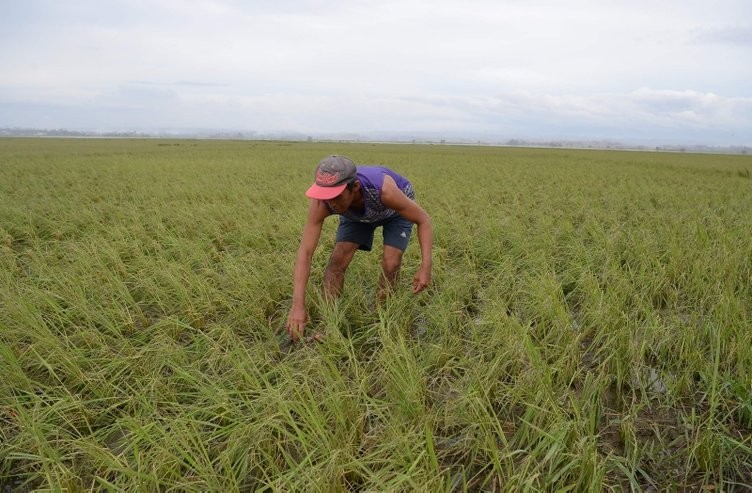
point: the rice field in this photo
(587, 327)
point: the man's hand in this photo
(422, 279)
(296, 322)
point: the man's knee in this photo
(341, 256)
(391, 262)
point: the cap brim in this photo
(324, 193)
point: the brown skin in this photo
(334, 276)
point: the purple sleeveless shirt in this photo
(371, 181)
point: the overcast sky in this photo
(674, 71)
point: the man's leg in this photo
(334, 275)
(351, 236)
(397, 231)
(391, 262)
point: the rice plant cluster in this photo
(587, 328)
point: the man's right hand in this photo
(296, 322)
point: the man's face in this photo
(342, 202)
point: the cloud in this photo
(738, 36)
(689, 107)
(639, 112)
(644, 105)
(645, 111)
(194, 83)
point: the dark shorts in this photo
(396, 232)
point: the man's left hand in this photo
(422, 279)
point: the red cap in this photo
(332, 176)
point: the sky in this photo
(639, 71)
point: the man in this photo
(365, 197)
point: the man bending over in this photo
(365, 198)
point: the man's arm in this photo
(298, 316)
(394, 198)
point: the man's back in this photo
(372, 181)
